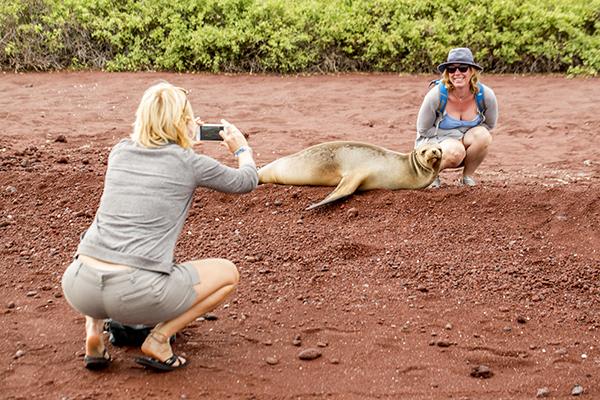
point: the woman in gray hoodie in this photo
(124, 266)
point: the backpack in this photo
(479, 99)
(127, 335)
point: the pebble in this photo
(521, 319)
(271, 360)
(11, 304)
(309, 354)
(11, 189)
(577, 390)
(335, 361)
(542, 392)
(62, 160)
(448, 326)
(31, 293)
(61, 139)
(560, 352)
(352, 212)
(210, 317)
(297, 341)
(277, 202)
(481, 371)
(20, 353)
(321, 344)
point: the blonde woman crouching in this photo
(124, 266)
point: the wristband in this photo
(241, 150)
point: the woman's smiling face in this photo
(459, 74)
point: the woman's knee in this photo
(478, 135)
(453, 155)
(216, 272)
(231, 272)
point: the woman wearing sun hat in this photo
(458, 113)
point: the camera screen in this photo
(210, 132)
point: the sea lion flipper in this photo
(346, 187)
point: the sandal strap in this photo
(171, 360)
(158, 336)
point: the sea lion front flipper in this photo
(346, 187)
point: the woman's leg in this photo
(477, 141)
(94, 337)
(218, 278)
(453, 153)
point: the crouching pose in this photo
(458, 113)
(124, 266)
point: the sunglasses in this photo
(462, 68)
(185, 92)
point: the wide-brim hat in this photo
(460, 55)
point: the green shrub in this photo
(298, 36)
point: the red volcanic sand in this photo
(404, 293)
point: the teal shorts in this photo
(131, 297)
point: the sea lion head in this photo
(428, 156)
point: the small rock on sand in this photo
(481, 371)
(309, 354)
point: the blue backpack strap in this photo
(480, 99)
(443, 96)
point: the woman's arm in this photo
(491, 108)
(427, 112)
(212, 174)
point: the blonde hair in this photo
(162, 117)
(472, 82)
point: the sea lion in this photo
(354, 166)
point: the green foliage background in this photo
(288, 36)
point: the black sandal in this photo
(157, 365)
(97, 363)
(162, 366)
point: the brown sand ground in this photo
(403, 296)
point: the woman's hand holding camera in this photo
(236, 142)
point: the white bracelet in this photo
(241, 150)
